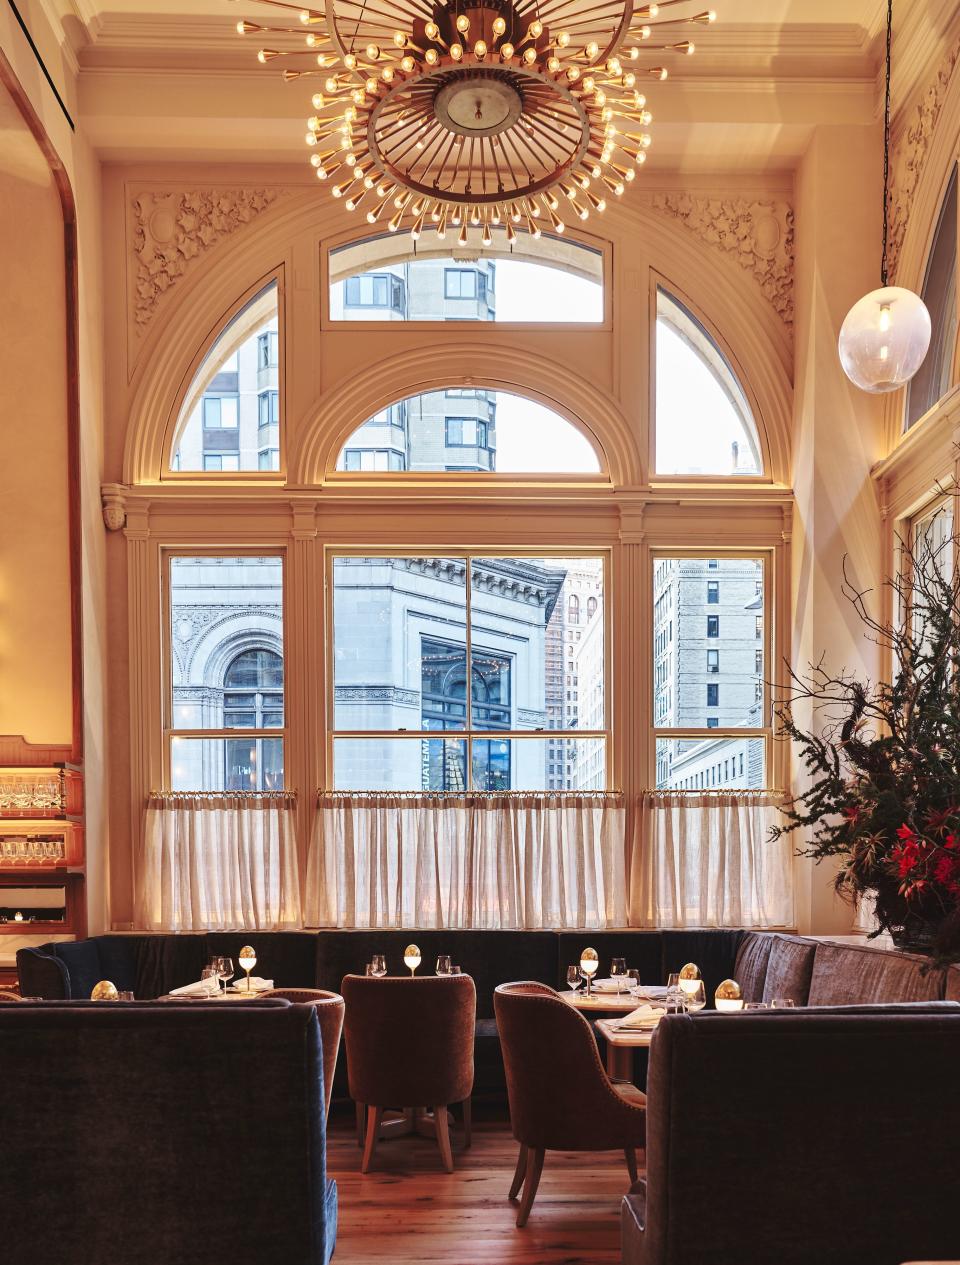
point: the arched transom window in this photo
(704, 423)
(468, 429)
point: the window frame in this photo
(468, 735)
(741, 482)
(774, 772)
(169, 731)
(171, 440)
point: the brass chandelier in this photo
(478, 113)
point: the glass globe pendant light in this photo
(885, 335)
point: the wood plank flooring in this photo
(407, 1209)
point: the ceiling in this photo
(170, 79)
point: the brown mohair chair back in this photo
(329, 1007)
(410, 1040)
(560, 1095)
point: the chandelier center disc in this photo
(477, 105)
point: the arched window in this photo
(230, 419)
(545, 280)
(933, 378)
(253, 699)
(591, 607)
(468, 429)
(573, 609)
(704, 424)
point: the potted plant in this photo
(882, 759)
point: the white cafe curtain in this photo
(708, 861)
(511, 860)
(217, 861)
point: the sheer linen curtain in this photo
(708, 861)
(512, 860)
(218, 862)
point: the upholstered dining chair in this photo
(560, 1096)
(410, 1045)
(329, 1007)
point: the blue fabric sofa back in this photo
(137, 1109)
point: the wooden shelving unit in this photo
(42, 858)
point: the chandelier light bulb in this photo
(480, 50)
(499, 26)
(507, 51)
(463, 24)
(535, 29)
(399, 39)
(431, 30)
(456, 52)
(884, 339)
(529, 56)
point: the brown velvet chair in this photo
(329, 1007)
(561, 1098)
(410, 1045)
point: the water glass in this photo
(126, 995)
(695, 998)
(444, 965)
(455, 970)
(782, 1003)
(378, 966)
(573, 977)
(756, 1005)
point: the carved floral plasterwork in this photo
(759, 236)
(173, 229)
(910, 154)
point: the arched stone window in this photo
(704, 423)
(468, 429)
(253, 699)
(230, 418)
(934, 377)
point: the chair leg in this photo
(361, 1119)
(520, 1173)
(442, 1121)
(631, 1157)
(530, 1184)
(374, 1116)
(467, 1122)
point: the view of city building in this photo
(708, 665)
(233, 411)
(536, 666)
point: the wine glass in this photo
(210, 971)
(573, 978)
(674, 999)
(378, 966)
(695, 998)
(444, 965)
(248, 960)
(633, 975)
(412, 958)
(618, 969)
(225, 971)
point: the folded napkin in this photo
(643, 1017)
(257, 985)
(202, 988)
(610, 985)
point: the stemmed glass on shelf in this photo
(695, 996)
(574, 977)
(378, 966)
(444, 964)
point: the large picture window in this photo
(226, 681)
(709, 675)
(481, 650)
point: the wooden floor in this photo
(407, 1209)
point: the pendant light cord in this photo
(886, 147)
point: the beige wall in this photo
(82, 170)
(36, 679)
